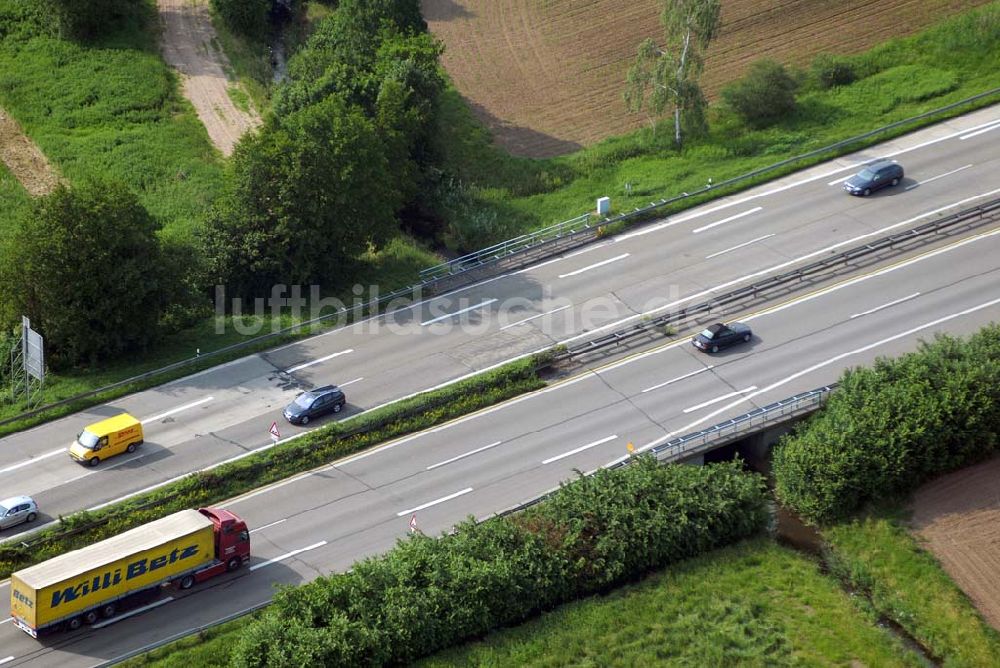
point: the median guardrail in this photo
(969, 218)
(506, 255)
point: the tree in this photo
(764, 96)
(89, 19)
(246, 17)
(667, 77)
(305, 195)
(84, 265)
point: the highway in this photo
(478, 465)
(225, 412)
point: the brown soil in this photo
(24, 160)
(958, 518)
(189, 45)
(547, 77)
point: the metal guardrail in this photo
(584, 227)
(506, 248)
(577, 231)
(974, 216)
(736, 428)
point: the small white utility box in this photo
(603, 206)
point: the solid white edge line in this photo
(774, 268)
(434, 502)
(580, 449)
(678, 378)
(176, 410)
(738, 246)
(935, 178)
(131, 613)
(268, 525)
(718, 399)
(994, 126)
(882, 341)
(727, 220)
(463, 455)
(886, 305)
(595, 265)
(539, 315)
(481, 304)
(288, 555)
(9, 658)
(318, 361)
(33, 460)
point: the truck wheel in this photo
(131, 447)
(187, 582)
(108, 610)
(94, 461)
(233, 564)
(74, 624)
(90, 617)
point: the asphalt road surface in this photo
(226, 411)
(326, 519)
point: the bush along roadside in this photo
(593, 534)
(285, 459)
(892, 426)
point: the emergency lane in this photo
(325, 520)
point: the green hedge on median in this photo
(892, 426)
(593, 534)
(316, 448)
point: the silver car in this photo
(17, 509)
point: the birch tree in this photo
(666, 77)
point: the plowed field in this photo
(958, 517)
(547, 75)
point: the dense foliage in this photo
(90, 19)
(245, 17)
(345, 152)
(764, 96)
(892, 426)
(85, 265)
(427, 593)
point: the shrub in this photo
(425, 594)
(890, 427)
(764, 96)
(830, 70)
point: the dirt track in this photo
(24, 159)
(188, 46)
(958, 517)
(547, 77)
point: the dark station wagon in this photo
(878, 175)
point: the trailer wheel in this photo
(233, 564)
(90, 617)
(74, 624)
(94, 461)
(187, 582)
(108, 610)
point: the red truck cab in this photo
(232, 543)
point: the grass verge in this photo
(752, 604)
(876, 555)
(264, 467)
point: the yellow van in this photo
(121, 433)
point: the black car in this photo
(322, 400)
(875, 176)
(718, 336)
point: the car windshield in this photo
(304, 400)
(3, 511)
(866, 174)
(87, 439)
(708, 334)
